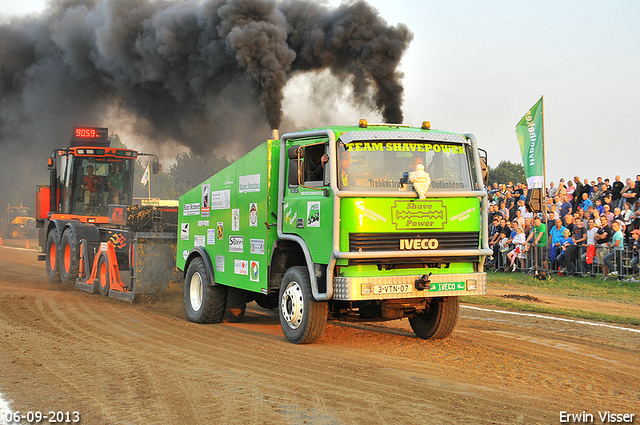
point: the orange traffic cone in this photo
(0, 241)
(27, 244)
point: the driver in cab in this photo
(90, 184)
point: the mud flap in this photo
(153, 266)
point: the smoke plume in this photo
(199, 74)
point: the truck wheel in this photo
(69, 261)
(51, 257)
(439, 321)
(302, 318)
(204, 303)
(235, 305)
(14, 232)
(103, 276)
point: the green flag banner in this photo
(530, 138)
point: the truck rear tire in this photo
(235, 305)
(52, 257)
(204, 303)
(302, 318)
(103, 275)
(439, 321)
(69, 261)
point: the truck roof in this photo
(439, 134)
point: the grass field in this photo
(582, 298)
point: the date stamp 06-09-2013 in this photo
(39, 417)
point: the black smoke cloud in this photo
(196, 73)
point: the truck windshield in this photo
(98, 182)
(379, 165)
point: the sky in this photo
(478, 66)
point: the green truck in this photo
(363, 223)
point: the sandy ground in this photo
(144, 363)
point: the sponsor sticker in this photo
(220, 263)
(415, 215)
(185, 254)
(235, 220)
(190, 209)
(220, 231)
(241, 267)
(221, 199)
(254, 271)
(257, 246)
(253, 214)
(313, 214)
(198, 240)
(184, 231)
(211, 236)
(206, 200)
(204, 223)
(250, 183)
(236, 243)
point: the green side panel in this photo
(382, 215)
(226, 215)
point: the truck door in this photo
(308, 204)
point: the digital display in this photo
(90, 133)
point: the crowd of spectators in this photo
(584, 228)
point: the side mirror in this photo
(156, 167)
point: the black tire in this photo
(102, 276)
(69, 259)
(439, 320)
(14, 232)
(302, 318)
(204, 303)
(235, 305)
(52, 257)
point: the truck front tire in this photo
(52, 261)
(302, 318)
(204, 303)
(439, 321)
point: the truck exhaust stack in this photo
(275, 134)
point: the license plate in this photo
(448, 286)
(403, 288)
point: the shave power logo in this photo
(415, 215)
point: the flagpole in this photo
(149, 198)
(544, 178)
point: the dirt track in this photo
(143, 363)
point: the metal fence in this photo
(578, 266)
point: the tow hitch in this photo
(424, 282)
